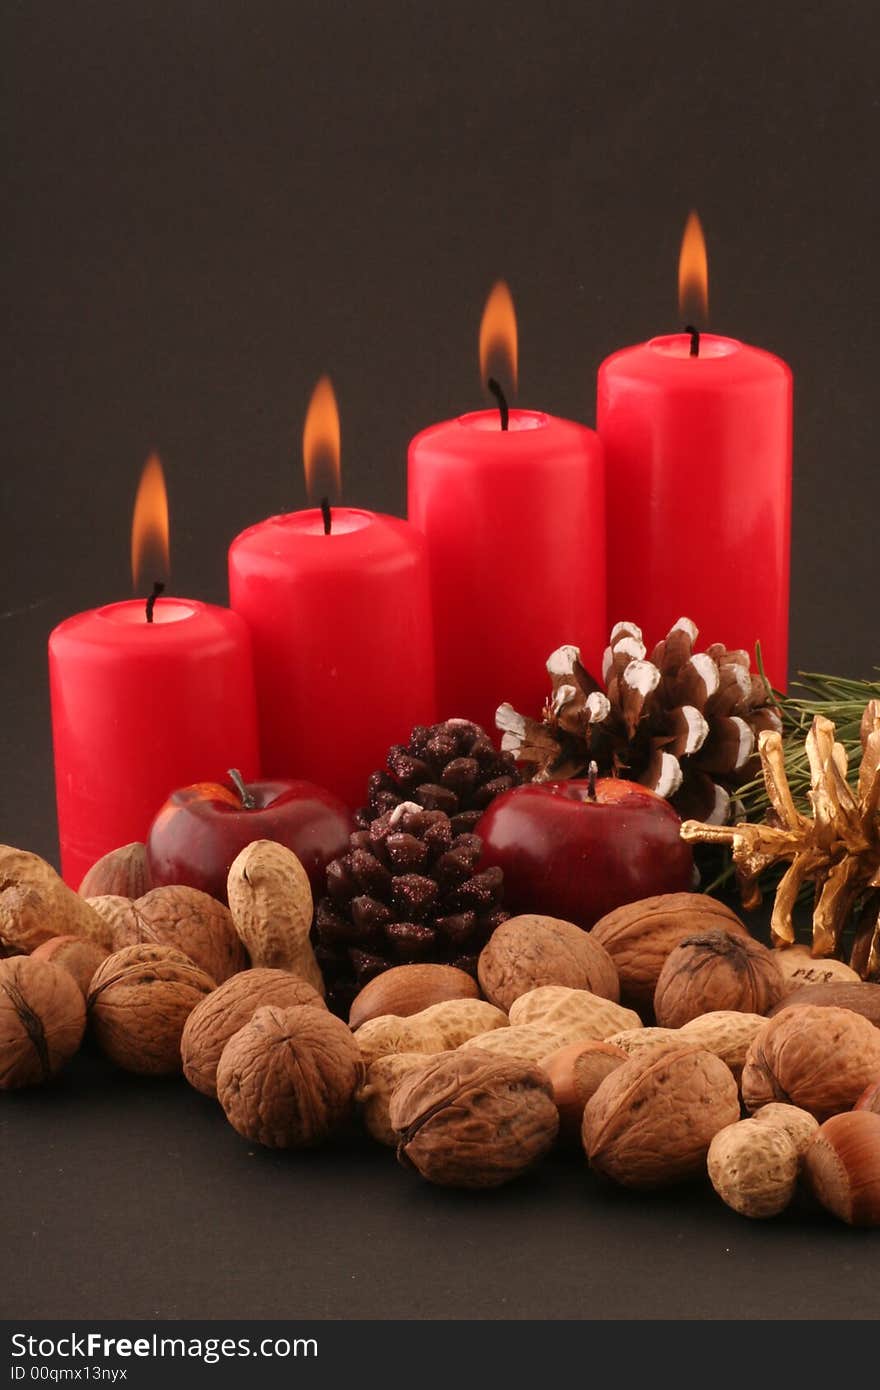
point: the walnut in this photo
(799, 1125)
(186, 918)
(468, 1119)
(639, 936)
(725, 1032)
(374, 1097)
(573, 1014)
(652, 1120)
(123, 872)
(753, 1167)
(42, 1020)
(288, 1078)
(528, 951)
(529, 1042)
(576, 1072)
(861, 997)
(799, 967)
(138, 1003)
(270, 898)
(408, 989)
(75, 954)
(716, 970)
(819, 1059)
(35, 905)
(228, 1008)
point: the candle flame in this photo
(499, 349)
(321, 444)
(149, 528)
(693, 274)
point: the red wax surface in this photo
(139, 709)
(515, 524)
(343, 646)
(698, 452)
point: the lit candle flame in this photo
(693, 275)
(499, 350)
(321, 444)
(149, 528)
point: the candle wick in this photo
(158, 588)
(503, 408)
(592, 773)
(247, 797)
(326, 514)
(695, 339)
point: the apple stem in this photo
(592, 774)
(237, 781)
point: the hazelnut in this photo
(576, 1071)
(186, 918)
(75, 954)
(138, 1002)
(574, 1014)
(818, 1059)
(408, 989)
(799, 1125)
(870, 1098)
(639, 936)
(716, 970)
(468, 1119)
(842, 1167)
(374, 1097)
(725, 1032)
(228, 1008)
(528, 1042)
(800, 968)
(287, 1079)
(35, 904)
(379, 1037)
(652, 1120)
(123, 872)
(861, 997)
(42, 1019)
(528, 951)
(753, 1167)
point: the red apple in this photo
(201, 829)
(578, 849)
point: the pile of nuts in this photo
(645, 1041)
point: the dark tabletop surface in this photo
(210, 205)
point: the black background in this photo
(207, 205)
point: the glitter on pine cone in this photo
(452, 767)
(683, 722)
(408, 890)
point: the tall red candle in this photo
(697, 431)
(139, 709)
(515, 525)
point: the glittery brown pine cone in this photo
(452, 767)
(408, 890)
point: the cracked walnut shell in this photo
(716, 970)
(468, 1119)
(229, 1007)
(288, 1078)
(820, 1059)
(42, 1019)
(138, 1003)
(652, 1120)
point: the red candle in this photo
(140, 708)
(338, 608)
(514, 521)
(697, 435)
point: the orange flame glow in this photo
(499, 349)
(149, 527)
(693, 274)
(321, 444)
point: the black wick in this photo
(503, 408)
(158, 588)
(695, 339)
(325, 512)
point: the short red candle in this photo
(698, 451)
(515, 525)
(343, 649)
(139, 709)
